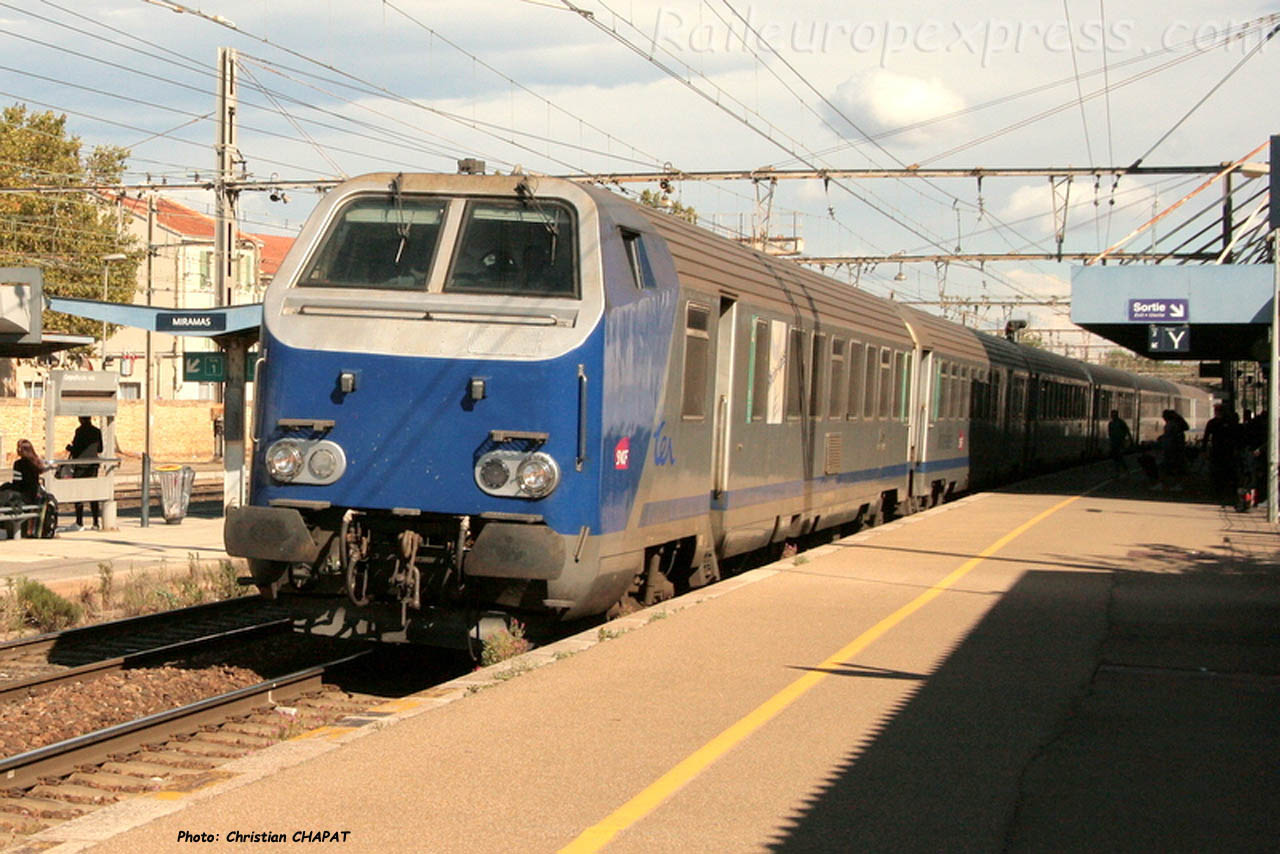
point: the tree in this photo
(67, 234)
(663, 202)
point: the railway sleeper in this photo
(176, 759)
(138, 768)
(273, 730)
(74, 793)
(232, 738)
(198, 746)
(41, 808)
(14, 820)
(112, 782)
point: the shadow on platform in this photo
(1088, 711)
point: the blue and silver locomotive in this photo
(487, 396)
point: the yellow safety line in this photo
(596, 837)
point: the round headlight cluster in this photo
(305, 461)
(516, 474)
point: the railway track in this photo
(130, 495)
(155, 644)
(175, 750)
(163, 632)
(195, 652)
(186, 723)
(266, 683)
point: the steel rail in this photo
(125, 627)
(97, 669)
(64, 757)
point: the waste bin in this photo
(175, 491)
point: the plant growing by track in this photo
(504, 644)
(31, 605)
(27, 605)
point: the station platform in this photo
(73, 557)
(1073, 664)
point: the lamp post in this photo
(106, 262)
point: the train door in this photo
(922, 394)
(722, 414)
(1031, 429)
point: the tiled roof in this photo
(273, 248)
(173, 216)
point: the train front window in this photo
(516, 249)
(377, 242)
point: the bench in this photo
(12, 517)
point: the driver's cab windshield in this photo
(515, 248)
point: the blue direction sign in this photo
(1169, 339)
(1159, 309)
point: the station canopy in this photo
(1193, 313)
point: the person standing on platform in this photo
(1222, 438)
(1173, 446)
(1120, 437)
(87, 442)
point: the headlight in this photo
(284, 460)
(322, 463)
(538, 475)
(493, 474)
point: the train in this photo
(493, 398)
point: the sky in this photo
(332, 88)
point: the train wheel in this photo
(267, 575)
(657, 587)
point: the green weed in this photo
(40, 608)
(504, 644)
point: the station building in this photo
(182, 272)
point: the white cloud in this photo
(880, 100)
(1032, 203)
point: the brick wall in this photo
(181, 430)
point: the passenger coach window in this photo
(759, 371)
(856, 355)
(871, 369)
(795, 374)
(697, 352)
(377, 243)
(817, 373)
(886, 382)
(900, 386)
(839, 388)
(516, 249)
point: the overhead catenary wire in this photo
(652, 158)
(748, 27)
(401, 99)
(1198, 46)
(1207, 95)
(650, 56)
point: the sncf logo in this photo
(622, 453)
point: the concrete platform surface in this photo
(72, 558)
(1074, 665)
